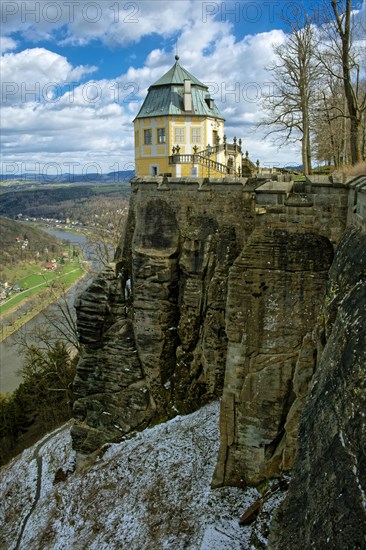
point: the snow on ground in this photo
(149, 492)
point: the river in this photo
(11, 361)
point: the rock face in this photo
(216, 291)
(326, 503)
(113, 397)
(276, 288)
(154, 332)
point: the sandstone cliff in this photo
(154, 331)
(276, 288)
(326, 503)
(216, 291)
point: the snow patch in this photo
(149, 492)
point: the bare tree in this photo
(330, 125)
(296, 71)
(58, 323)
(106, 230)
(341, 55)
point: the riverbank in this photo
(39, 280)
(32, 313)
(46, 287)
(14, 318)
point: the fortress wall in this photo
(302, 208)
(357, 203)
(320, 206)
(228, 202)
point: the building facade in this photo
(179, 131)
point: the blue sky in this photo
(75, 73)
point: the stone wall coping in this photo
(275, 187)
(335, 180)
(315, 179)
(358, 183)
(163, 183)
(190, 180)
(330, 185)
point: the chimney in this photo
(187, 95)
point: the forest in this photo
(318, 93)
(42, 401)
(59, 202)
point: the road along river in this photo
(11, 361)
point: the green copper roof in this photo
(168, 100)
(165, 97)
(177, 75)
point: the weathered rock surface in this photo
(176, 258)
(113, 397)
(98, 307)
(216, 292)
(276, 288)
(326, 503)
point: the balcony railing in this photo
(203, 161)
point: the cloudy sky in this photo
(74, 74)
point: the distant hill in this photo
(111, 177)
(20, 241)
(60, 201)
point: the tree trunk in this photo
(305, 148)
(353, 111)
(355, 147)
(335, 154)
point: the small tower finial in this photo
(176, 50)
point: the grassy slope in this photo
(38, 282)
(12, 253)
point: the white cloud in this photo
(75, 133)
(34, 73)
(106, 20)
(92, 121)
(7, 44)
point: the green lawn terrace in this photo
(41, 280)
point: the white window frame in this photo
(196, 131)
(179, 131)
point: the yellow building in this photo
(179, 131)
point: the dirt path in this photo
(39, 461)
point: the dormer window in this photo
(210, 102)
(187, 95)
